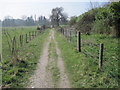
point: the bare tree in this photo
(58, 16)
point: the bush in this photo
(85, 23)
(101, 27)
(73, 20)
(115, 10)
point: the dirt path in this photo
(64, 81)
(42, 77)
(39, 80)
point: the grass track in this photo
(52, 65)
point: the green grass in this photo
(52, 65)
(15, 31)
(83, 68)
(17, 75)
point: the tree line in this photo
(26, 21)
(58, 17)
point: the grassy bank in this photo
(16, 76)
(83, 68)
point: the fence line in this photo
(18, 42)
(75, 37)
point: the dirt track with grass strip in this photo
(50, 71)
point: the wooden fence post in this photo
(13, 49)
(26, 39)
(13, 45)
(66, 33)
(101, 55)
(79, 41)
(21, 41)
(63, 31)
(29, 36)
(70, 36)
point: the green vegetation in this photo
(101, 20)
(16, 75)
(83, 68)
(7, 40)
(98, 25)
(52, 66)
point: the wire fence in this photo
(16, 43)
(90, 49)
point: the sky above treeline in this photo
(20, 8)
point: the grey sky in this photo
(18, 8)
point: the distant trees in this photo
(29, 21)
(25, 21)
(58, 17)
(10, 22)
(42, 20)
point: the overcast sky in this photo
(18, 8)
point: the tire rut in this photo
(42, 77)
(64, 81)
(39, 79)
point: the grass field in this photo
(83, 68)
(16, 75)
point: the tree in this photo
(25, 21)
(42, 20)
(58, 16)
(72, 20)
(30, 21)
(115, 10)
(85, 21)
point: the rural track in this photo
(64, 81)
(41, 77)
